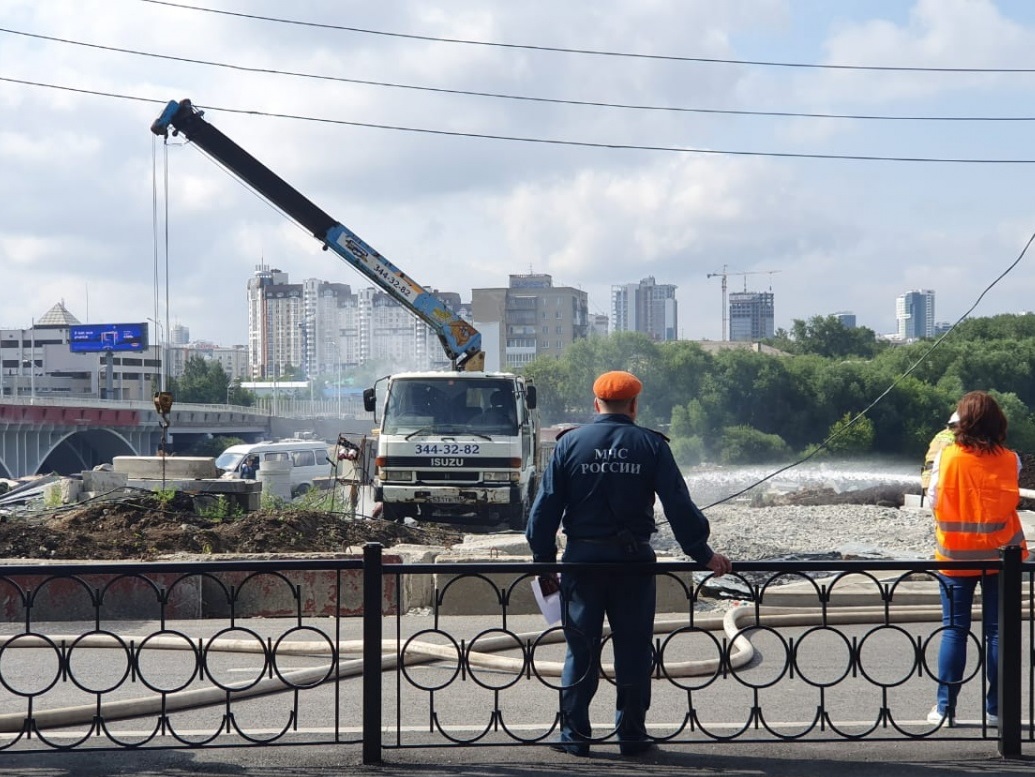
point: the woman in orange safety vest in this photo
(973, 493)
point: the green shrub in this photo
(747, 445)
(220, 509)
(165, 496)
(688, 451)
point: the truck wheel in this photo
(393, 512)
(517, 515)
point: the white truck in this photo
(468, 453)
(456, 447)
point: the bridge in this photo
(43, 435)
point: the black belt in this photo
(605, 540)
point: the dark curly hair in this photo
(982, 424)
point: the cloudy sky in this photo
(671, 154)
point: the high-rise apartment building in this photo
(647, 307)
(846, 319)
(179, 334)
(752, 315)
(914, 312)
(232, 358)
(529, 318)
(598, 324)
(316, 326)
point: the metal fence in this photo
(265, 653)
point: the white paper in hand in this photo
(549, 604)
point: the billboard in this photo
(95, 338)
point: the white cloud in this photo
(458, 213)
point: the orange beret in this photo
(617, 385)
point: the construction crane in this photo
(724, 275)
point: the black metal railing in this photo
(265, 653)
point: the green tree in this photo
(688, 451)
(847, 438)
(827, 336)
(801, 398)
(213, 446)
(1020, 429)
(203, 382)
(236, 394)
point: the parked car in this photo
(309, 459)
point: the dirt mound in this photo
(143, 528)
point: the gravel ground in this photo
(755, 533)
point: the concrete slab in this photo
(418, 591)
(482, 594)
(502, 544)
(62, 492)
(100, 481)
(168, 467)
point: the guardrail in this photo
(284, 407)
(129, 404)
(320, 674)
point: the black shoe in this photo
(571, 748)
(637, 748)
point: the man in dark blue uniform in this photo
(600, 486)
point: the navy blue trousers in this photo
(628, 602)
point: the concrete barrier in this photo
(191, 595)
(291, 593)
(418, 591)
(99, 481)
(486, 593)
(71, 598)
(167, 467)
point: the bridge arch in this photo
(84, 449)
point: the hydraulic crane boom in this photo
(461, 341)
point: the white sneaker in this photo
(993, 720)
(939, 718)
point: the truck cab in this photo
(457, 447)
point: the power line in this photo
(547, 141)
(594, 52)
(516, 97)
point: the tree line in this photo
(742, 405)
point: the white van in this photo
(309, 459)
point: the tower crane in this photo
(724, 275)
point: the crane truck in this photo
(455, 446)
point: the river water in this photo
(709, 484)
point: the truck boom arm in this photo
(461, 341)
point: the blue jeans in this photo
(628, 601)
(957, 599)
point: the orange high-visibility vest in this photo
(976, 509)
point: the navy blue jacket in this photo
(602, 479)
